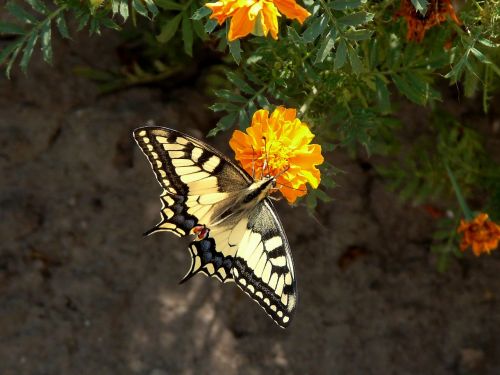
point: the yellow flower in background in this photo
(255, 16)
(279, 145)
(481, 234)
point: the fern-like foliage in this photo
(33, 26)
(34, 22)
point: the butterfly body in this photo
(238, 234)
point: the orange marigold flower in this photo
(279, 145)
(258, 17)
(418, 24)
(481, 234)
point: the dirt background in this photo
(82, 292)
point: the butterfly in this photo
(238, 236)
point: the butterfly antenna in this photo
(264, 167)
(253, 163)
(268, 167)
(291, 187)
(282, 172)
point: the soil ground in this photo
(82, 292)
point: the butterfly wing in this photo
(198, 181)
(263, 266)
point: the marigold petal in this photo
(300, 135)
(270, 19)
(292, 10)
(239, 142)
(308, 156)
(284, 114)
(241, 24)
(291, 195)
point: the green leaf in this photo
(228, 107)
(294, 36)
(82, 21)
(487, 43)
(13, 58)
(340, 55)
(62, 27)
(240, 83)
(46, 34)
(94, 27)
(327, 180)
(326, 46)
(356, 19)
(230, 96)
(243, 119)
(357, 66)
(124, 9)
(457, 69)
(28, 51)
(358, 34)
(315, 29)
(201, 13)
(187, 34)
(152, 7)
(383, 96)
(115, 6)
(7, 51)
(210, 26)
(38, 6)
(346, 4)
(169, 29)
(481, 57)
(420, 5)
(235, 50)
(110, 24)
(311, 201)
(140, 8)
(169, 5)
(224, 123)
(407, 90)
(263, 102)
(10, 28)
(322, 195)
(199, 30)
(20, 13)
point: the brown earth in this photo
(82, 292)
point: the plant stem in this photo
(460, 198)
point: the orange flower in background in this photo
(481, 234)
(279, 145)
(418, 24)
(255, 16)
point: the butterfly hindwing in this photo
(205, 258)
(263, 266)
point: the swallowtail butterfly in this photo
(238, 235)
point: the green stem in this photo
(303, 109)
(460, 198)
